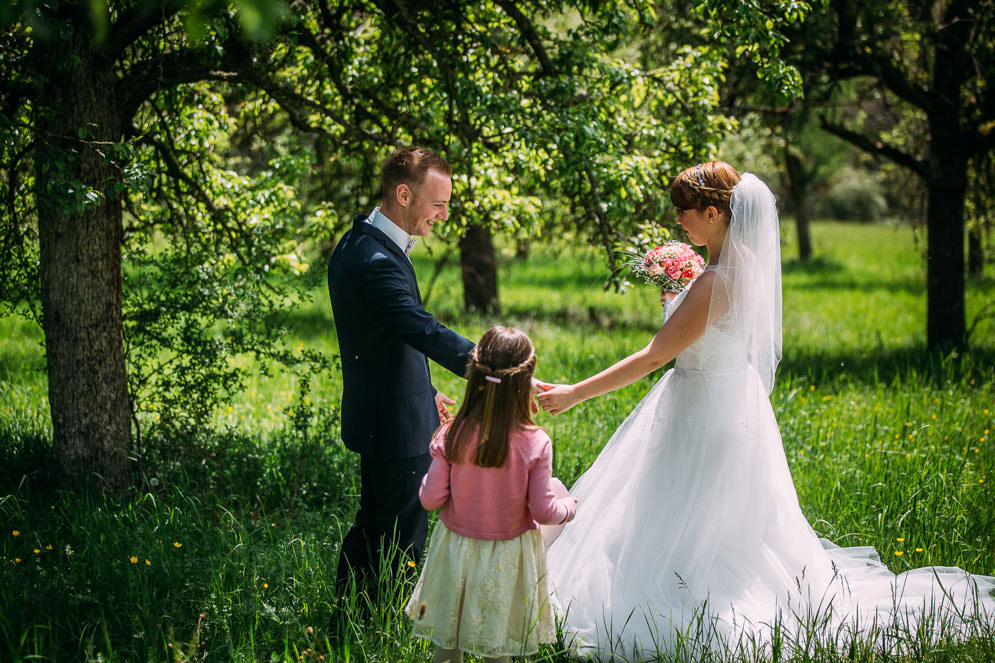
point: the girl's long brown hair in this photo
(498, 393)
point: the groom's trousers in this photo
(391, 525)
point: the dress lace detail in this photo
(488, 598)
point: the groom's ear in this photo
(403, 195)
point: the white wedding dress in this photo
(689, 533)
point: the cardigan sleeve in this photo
(434, 493)
(544, 506)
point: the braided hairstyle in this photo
(498, 395)
(707, 184)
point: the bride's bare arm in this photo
(686, 324)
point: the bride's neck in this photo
(715, 244)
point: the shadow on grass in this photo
(286, 471)
(887, 365)
(822, 273)
(313, 325)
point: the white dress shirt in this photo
(403, 240)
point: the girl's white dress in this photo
(689, 534)
(489, 598)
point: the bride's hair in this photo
(707, 184)
(498, 393)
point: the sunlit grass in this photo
(888, 447)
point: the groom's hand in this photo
(442, 403)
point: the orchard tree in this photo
(111, 146)
(931, 63)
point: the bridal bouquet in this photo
(670, 266)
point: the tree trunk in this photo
(797, 185)
(946, 317)
(975, 253)
(521, 249)
(479, 267)
(946, 181)
(80, 233)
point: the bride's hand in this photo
(557, 398)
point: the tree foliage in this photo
(165, 164)
(927, 64)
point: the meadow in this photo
(226, 547)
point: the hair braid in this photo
(706, 184)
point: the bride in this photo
(689, 532)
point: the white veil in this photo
(747, 305)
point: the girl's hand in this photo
(571, 503)
(538, 386)
(557, 398)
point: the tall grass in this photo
(226, 547)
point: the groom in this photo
(389, 407)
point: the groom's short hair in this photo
(408, 165)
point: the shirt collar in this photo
(403, 240)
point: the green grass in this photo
(226, 548)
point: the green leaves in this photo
(756, 29)
(248, 136)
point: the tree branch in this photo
(859, 140)
(333, 67)
(136, 21)
(530, 34)
(296, 105)
(895, 80)
(849, 59)
(594, 207)
(184, 66)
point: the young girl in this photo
(483, 587)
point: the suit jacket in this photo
(385, 337)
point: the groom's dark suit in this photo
(385, 336)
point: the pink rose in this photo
(673, 272)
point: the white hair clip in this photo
(491, 378)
